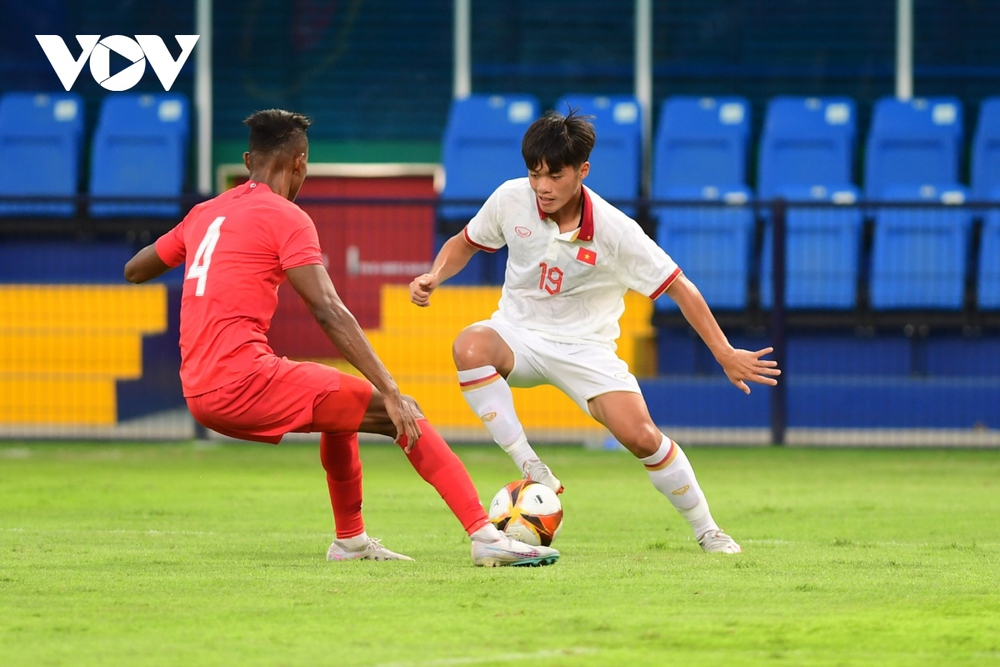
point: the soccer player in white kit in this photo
(571, 258)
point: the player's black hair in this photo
(558, 141)
(275, 130)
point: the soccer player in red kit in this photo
(237, 249)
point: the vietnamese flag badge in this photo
(587, 256)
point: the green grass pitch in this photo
(139, 554)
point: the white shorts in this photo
(580, 370)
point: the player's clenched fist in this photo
(421, 288)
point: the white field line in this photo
(498, 657)
(133, 531)
(764, 542)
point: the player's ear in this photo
(299, 165)
(246, 159)
(584, 170)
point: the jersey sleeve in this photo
(644, 266)
(298, 241)
(485, 230)
(170, 246)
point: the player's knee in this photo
(643, 440)
(469, 350)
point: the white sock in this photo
(356, 543)
(489, 396)
(487, 533)
(672, 475)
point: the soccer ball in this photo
(527, 511)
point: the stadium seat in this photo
(482, 149)
(822, 250)
(913, 143)
(40, 147)
(985, 171)
(806, 141)
(919, 255)
(616, 161)
(139, 150)
(712, 245)
(699, 142)
(988, 282)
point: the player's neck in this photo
(569, 216)
(278, 180)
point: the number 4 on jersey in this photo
(203, 258)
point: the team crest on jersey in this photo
(523, 232)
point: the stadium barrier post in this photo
(779, 394)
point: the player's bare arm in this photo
(145, 265)
(313, 284)
(454, 255)
(741, 366)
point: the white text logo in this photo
(98, 51)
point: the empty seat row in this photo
(139, 149)
(919, 257)
(809, 141)
(704, 142)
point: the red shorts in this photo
(281, 398)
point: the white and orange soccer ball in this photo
(527, 511)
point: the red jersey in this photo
(237, 248)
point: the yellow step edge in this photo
(138, 308)
(116, 355)
(58, 401)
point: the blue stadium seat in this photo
(913, 143)
(806, 141)
(40, 148)
(988, 283)
(482, 148)
(701, 141)
(712, 245)
(985, 172)
(139, 150)
(822, 250)
(919, 256)
(616, 161)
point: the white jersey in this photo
(568, 287)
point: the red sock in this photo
(442, 469)
(339, 455)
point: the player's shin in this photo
(489, 396)
(672, 475)
(339, 454)
(434, 461)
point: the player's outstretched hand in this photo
(404, 416)
(742, 366)
(421, 288)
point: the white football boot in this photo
(717, 542)
(372, 550)
(537, 471)
(506, 551)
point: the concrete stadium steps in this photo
(100, 354)
(63, 348)
(83, 307)
(451, 310)
(61, 400)
(405, 353)
(415, 345)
